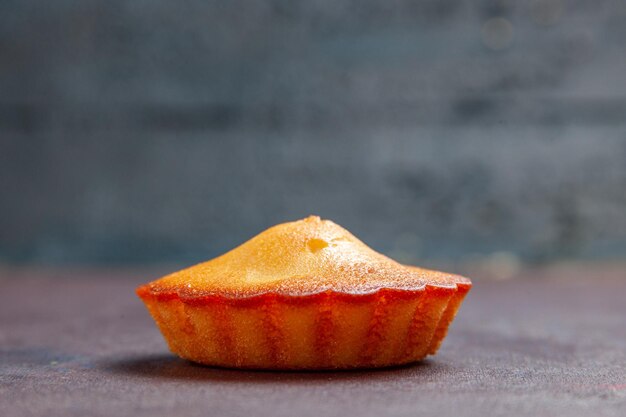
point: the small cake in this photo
(304, 295)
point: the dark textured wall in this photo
(171, 131)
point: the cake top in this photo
(298, 258)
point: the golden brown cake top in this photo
(298, 258)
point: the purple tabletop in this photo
(551, 342)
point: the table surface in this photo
(549, 342)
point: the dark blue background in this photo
(160, 131)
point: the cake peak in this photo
(301, 257)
